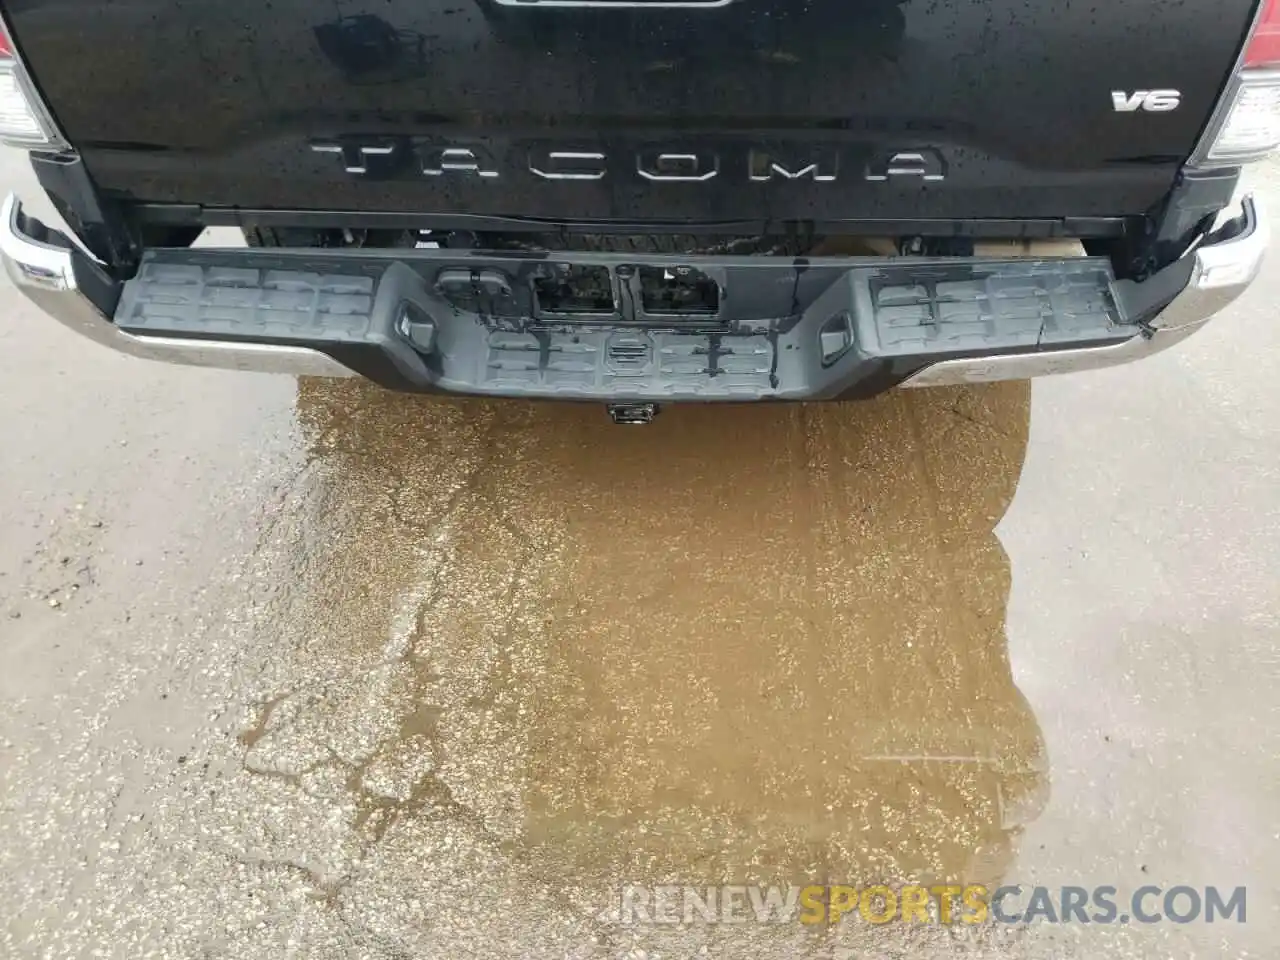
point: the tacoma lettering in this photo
(692, 165)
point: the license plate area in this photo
(679, 292)
(575, 291)
(677, 295)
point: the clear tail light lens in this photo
(1250, 129)
(1246, 125)
(24, 121)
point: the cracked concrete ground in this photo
(308, 669)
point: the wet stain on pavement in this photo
(545, 656)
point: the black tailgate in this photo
(828, 109)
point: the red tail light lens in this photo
(1264, 45)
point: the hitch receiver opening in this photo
(633, 412)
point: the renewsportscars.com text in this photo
(938, 903)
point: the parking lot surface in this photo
(304, 668)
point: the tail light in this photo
(24, 121)
(1246, 125)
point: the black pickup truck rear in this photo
(642, 200)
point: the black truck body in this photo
(668, 194)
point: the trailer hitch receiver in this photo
(633, 412)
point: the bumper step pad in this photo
(226, 301)
(784, 329)
(625, 363)
(1036, 305)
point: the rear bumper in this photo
(1216, 273)
(470, 322)
(72, 288)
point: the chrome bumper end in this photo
(1219, 272)
(60, 279)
